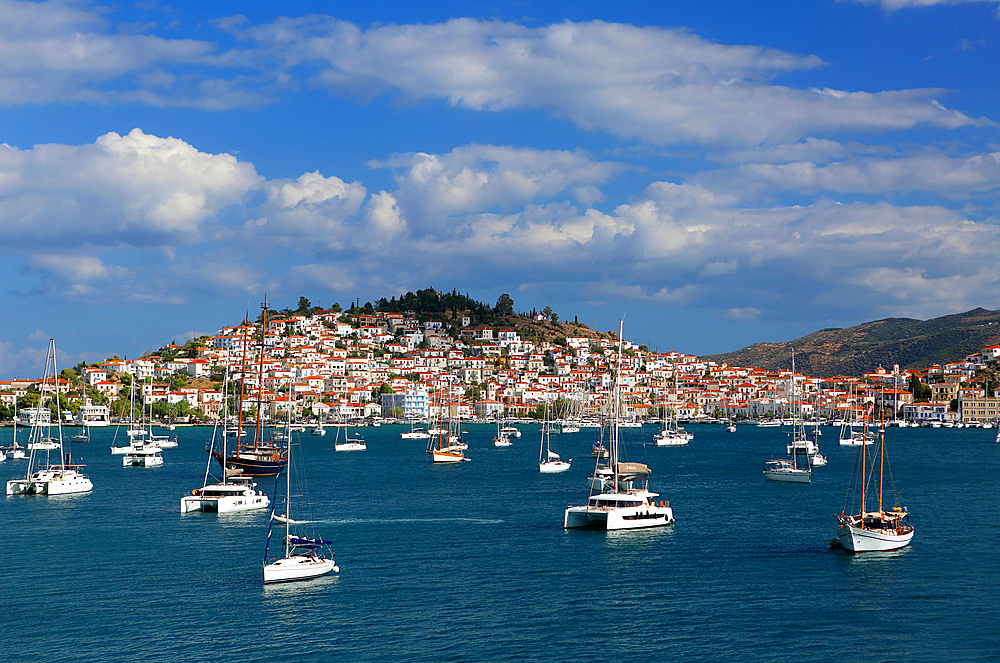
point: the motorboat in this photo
(148, 455)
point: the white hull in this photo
(237, 499)
(669, 440)
(415, 435)
(789, 475)
(298, 567)
(131, 460)
(502, 442)
(350, 446)
(51, 482)
(617, 518)
(553, 466)
(863, 540)
(447, 455)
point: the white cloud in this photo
(745, 313)
(658, 85)
(479, 178)
(136, 189)
(955, 177)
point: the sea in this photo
(470, 561)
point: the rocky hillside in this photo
(855, 350)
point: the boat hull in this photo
(447, 455)
(856, 539)
(298, 567)
(611, 519)
(789, 476)
(553, 466)
(253, 465)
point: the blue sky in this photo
(719, 173)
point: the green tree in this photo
(305, 306)
(505, 305)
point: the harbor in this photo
(471, 561)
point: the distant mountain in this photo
(855, 350)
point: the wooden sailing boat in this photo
(877, 529)
(304, 557)
(260, 457)
(445, 446)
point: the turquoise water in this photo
(470, 562)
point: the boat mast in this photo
(260, 375)
(881, 458)
(795, 425)
(615, 410)
(243, 382)
(55, 391)
(288, 471)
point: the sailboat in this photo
(789, 471)
(233, 492)
(260, 458)
(63, 477)
(415, 433)
(878, 529)
(356, 443)
(502, 438)
(444, 446)
(548, 460)
(672, 435)
(14, 451)
(849, 437)
(304, 558)
(626, 503)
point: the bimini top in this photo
(632, 469)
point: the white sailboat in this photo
(548, 459)
(415, 433)
(502, 438)
(348, 443)
(672, 435)
(626, 503)
(52, 478)
(789, 471)
(304, 557)
(879, 529)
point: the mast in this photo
(795, 425)
(615, 410)
(288, 471)
(260, 375)
(881, 458)
(243, 381)
(55, 390)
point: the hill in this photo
(910, 343)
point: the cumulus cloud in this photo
(477, 178)
(136, 189)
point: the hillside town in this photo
(367, 364)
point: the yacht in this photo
(627, 502)
(61, 477)
(235, 494)
(147, 455)
(94, 416)
(787, 471)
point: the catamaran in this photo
(52, 478)
(627, 502)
